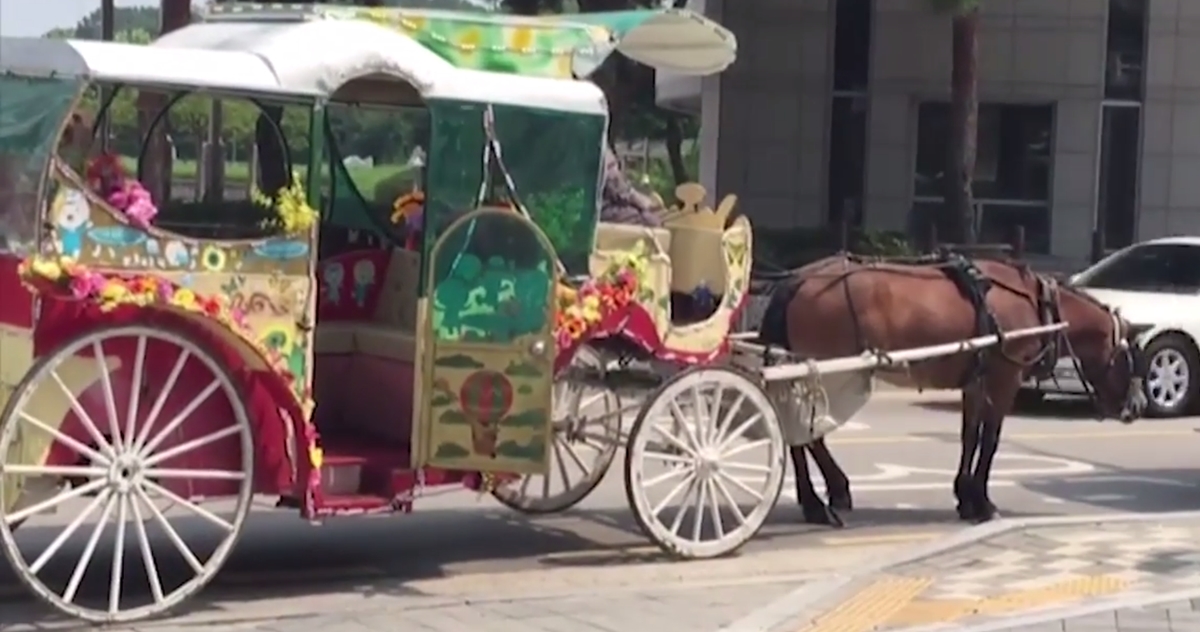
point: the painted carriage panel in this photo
(488, 340)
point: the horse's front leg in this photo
(972, 403)
(815, 510)
(1002, 395)
(837, 484)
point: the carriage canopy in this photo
(360, 51)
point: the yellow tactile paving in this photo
(871, 606)
(895, 602)
(1058, 593)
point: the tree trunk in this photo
(674, 141)
(958, 223)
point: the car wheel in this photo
(1172, 376)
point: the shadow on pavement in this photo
(1060, 408)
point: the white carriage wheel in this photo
(587, 419)
(701, 426)
(117, 480)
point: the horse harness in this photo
(973, 284)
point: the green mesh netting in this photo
(31, 111)
(553, 158)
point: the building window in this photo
(1126, 49)
(1120, 124)
(1120, 137)
(1012, 169)
(852, 45)
(848, 112)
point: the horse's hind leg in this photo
(837, 484)
(814, 509)
(964, 492)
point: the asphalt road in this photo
(900, 453)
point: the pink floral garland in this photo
(106, 176)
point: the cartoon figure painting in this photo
(364, 278)
(334, 274)
(72, 218)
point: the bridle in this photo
(1122, 349)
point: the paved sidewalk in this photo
(1099, 574)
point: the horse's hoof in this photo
(823, 515)
(966, 513)
(842, 502)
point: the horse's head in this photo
(1110, 363)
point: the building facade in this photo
(1089, 117)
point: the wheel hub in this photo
(125, 472)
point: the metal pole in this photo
(107, 33)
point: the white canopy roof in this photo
(138, 64)
(321, 55)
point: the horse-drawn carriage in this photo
(293, 346)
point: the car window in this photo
(1148, 268)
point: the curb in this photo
(798, 603)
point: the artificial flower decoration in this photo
(63, 277)
(293, 213)
(581, 310)
(107, 177)
(409, 209)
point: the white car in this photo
(1156, 287)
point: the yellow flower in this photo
(113, 292)
(47, 269)
(184, 298)
(316, 456)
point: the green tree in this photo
(957, 223)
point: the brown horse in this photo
(841, 306)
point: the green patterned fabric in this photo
(31, 112)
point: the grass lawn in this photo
(367, 178)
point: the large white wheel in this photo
(127, 467)
(587, 431)
(709, 442)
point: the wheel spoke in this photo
(68, 531)
(55, 501)
(161, 400)
(188, 446)
(746, 467)
(739, 431)
(726, 423)
(570, 450)
(685, 483)
(714, 413)
(118, 561)
(714, 509)
(701, 411)
(745, 447)
(724, 491)
(150, 446)
(698, 515)
(89, 550)
(693, 485)
(562, 465)
(84, 419)
(667, 458)
(172, 534)
(110, 402)
(737, 482)
(20, 469)
(666, 476)
(672, 439)
(148, 561)
(191, 506)
(680, 421)
(196, 475)
(135, 392)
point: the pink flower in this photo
(86, 284)
(141, 212)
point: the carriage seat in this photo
(696, 241)
(391, 331)
(615, 239)
(363, 370)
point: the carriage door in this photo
(488, 346)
